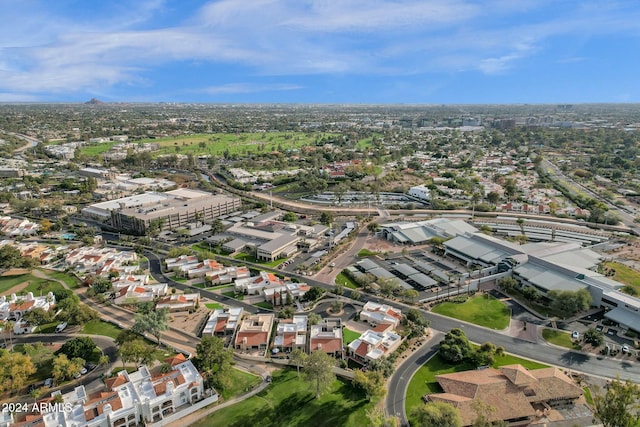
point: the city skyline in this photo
(349, 51)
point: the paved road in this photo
(397, 384)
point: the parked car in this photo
(575, 335)
(625, 348)
(61, 327)
(48, 382)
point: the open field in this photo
(482, 310)
(290, 402)
(624, 274)
(424, 380)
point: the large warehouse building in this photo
(167, 210)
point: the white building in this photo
(223, 322)
(143, 396)
(14, 307)
(421, 192)
(375, 314)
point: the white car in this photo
(625, 348)
(575, 335)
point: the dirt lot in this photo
(190, 322)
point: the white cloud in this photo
(43, 50)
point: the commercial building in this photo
(169, 210)
(549, 267)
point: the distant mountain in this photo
(94, 101)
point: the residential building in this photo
(327, 336)
(14, 306)
(136, 294)
(254, 285)
(374, 344)
(254, 332)
(144, 396)
(517, 395)
(179, 302)
(291, 334)
(101, 261)
(277, 294)
(375, 314)
(223, 322)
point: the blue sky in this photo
(320, 51)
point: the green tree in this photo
(215, 361)
(136, 351)
(326, 218)
(38, 316)
(318, 369)
(314, 318)
(65, 368)
(373, 227)
(298, 358)
(436, 414)
(372, 382)
(455, 346)
(15, 369)
(531, 293)
(507, 284)
(313, 294)
(570, 302)
(618, 405)
(290, 217)
(82, 347)
(153, 322)
(594, 337)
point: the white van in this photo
(61, 327)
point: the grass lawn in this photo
(290, 401)
(68, 279)
(232, 294)
(213, 305)
(264, 304)
(366, 253)
(349, 336)
(345, 280)
(100, 327)
(587, 395)
(219, 143)
(241, 382)
(42, 358)
(36, 285)
(560, 338)
(624, 274)
(482, 310)
(424, 380)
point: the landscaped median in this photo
(482, 310)
(559, 338)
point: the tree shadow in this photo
(571, 358)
